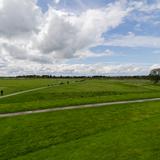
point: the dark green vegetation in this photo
(119, 132)
(155, 78)
(65, 92)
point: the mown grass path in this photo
(77, 107)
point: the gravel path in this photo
(77, 107)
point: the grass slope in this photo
(16, 85)
(75, 93)
(121, 132)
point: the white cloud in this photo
(73, 69)
(26, 33)
(132, 40)
(57, 1)
(1, 4)
(31, 41)
(144, 12)
(18, 17)
(64, 34)
(144, 6)
(154, 66)
(86, 54)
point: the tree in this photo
(155, 78)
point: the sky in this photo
(79, 37)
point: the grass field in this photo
(121, 132)
(78, 91)
(117, 132)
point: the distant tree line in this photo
(90, 77)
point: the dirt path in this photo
(77, 107)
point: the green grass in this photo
(75, 93)
(121, 132)
(14, 85)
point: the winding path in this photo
(77, 107)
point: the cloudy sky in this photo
(79, 37)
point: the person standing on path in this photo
(1, 92)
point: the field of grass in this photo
(15, 85)
(119, 132)
(78, 91)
